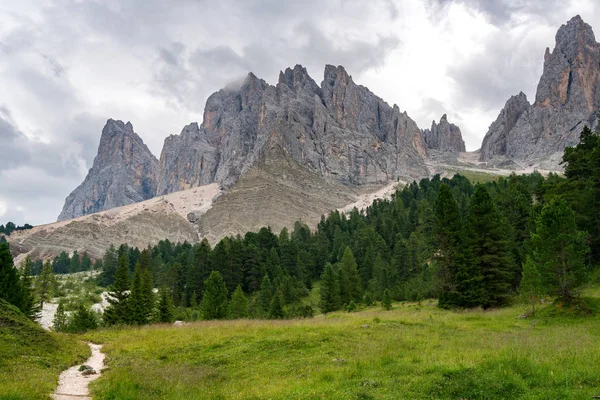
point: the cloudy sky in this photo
(66, 66)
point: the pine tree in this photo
(214, 301)
(450, 256)
(266, 294)
(110, 263)
(86, 263)
(165, 306)
(386, 302)
(59, 323)
(137, 300)
(45, 283)
(491, 259)
(238, 308)
(276, 307)
(368, 299)
(119, 310)
(560, 249)
(350, 283)
(330, 290)
(198, 271)
(75, 263)
(147, 290)
(532, 287)
(11, 287)
(30, 308)
(82, 320)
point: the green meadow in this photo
(414, 351)
(31, 359)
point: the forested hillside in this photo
(443, 238)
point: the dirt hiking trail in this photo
(73, 384)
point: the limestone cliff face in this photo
(567, 98)
(187, 160)
(124, 172)
(495, 141)
(338, 129)
(444, 137)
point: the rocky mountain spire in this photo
(572, 71)
(495, 141)
(124, 172)
(339, 129)
(444, 137)
(567, 98)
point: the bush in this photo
(82, 320)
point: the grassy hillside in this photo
(413, 351)
(31, 359)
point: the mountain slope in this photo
(138, 225)
(275, 192)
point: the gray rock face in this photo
(495, 141)
(444, 137)
(187, 160)
(124, 172)
(338, 129)
(567, 98)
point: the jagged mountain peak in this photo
(124, 171)
(444, 137)
(567, 98)
(298, 79)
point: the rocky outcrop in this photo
(124, 172)
(187, 160)
(496, 140)
(567, 98)
(339, 130)
(444, 137)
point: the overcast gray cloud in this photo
(66, 66)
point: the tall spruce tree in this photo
(491, 259)
(11, 286)
(59, 322)
(350, 282)
(276, 308)
(45, 284)
(214, 302)
(238, 308)
(141, 297)
(266, 294)
(165, 306)
(330, 290)
(451, 258)
(119, 310)
(30, 307)
(560, 249)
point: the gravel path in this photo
(46, 317)
(72, 384)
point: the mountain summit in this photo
(124, 172)
(338, 129)
(567, 98)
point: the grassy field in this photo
(30, 358)
(414, 351)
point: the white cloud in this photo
(66, 66)
(3, 207)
